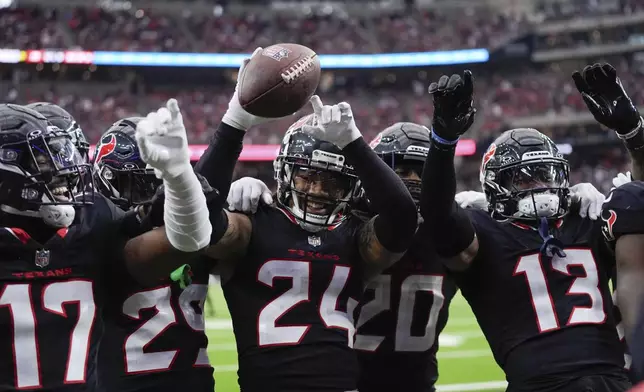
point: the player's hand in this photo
(471, 199)
(335, 123)
(163, 141)
(621, 179)
(236, 116)
(606, 99)
(246, 193)
(589, 198)
(453, 106)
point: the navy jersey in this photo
(154, 337)
(544, 317)
(51, 298)
(400, 317)
(291, 298)
(623, 213)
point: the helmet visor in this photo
(52, 167)
(534, 176)
(134, 186)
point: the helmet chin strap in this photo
(57, 216)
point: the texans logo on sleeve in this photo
(609, 222)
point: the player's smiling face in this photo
(59, 155)
(321, 187)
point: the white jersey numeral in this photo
(17, 297)
(410, 287)
(160, 299)
(195, 294)
(544, 307)
(299, 272)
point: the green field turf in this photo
(465, 361)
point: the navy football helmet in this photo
(524, 176)
(119, 172)
(60, 118)
(404, 147)
(314, 182)
(40, 168)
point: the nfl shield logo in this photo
(276, 52)
(315, 240)
(42, 258)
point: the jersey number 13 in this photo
(532, 267)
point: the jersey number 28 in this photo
(533, 268)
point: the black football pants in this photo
(599, 383)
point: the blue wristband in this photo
(441, 140)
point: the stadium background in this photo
(103, 60)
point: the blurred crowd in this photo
(406, 30)
(144, 30)
(503, 96)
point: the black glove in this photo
(154, 210)
(453, 106)
(606, 99)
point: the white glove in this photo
(163, 141)
(471, 199)
(164, 146)
(335, 124)
(236, 116)
(589, 197)
(622, 179)
(245, 194)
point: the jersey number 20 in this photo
(403, 341)
(532, 267)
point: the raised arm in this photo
(163, 145)
(384, 239)
(447, 223)
(231, 231)
(606, 99)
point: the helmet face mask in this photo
(119, 172)
(404, 148)
(60, 118)
(525, 177)
(41, 167)
(314, 183)
(129, 186)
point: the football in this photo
(279, 80)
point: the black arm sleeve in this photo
(448, 224)
(218, 161)
(397, 217)
(217, 165)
